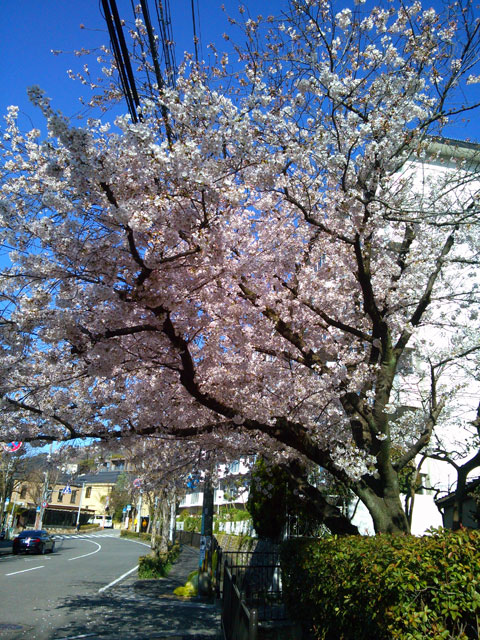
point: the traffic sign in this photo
(7, 500)
(129, 507)
(37, 509)
(44, 504)
(11, 447)
(67, 489)
(124, 510)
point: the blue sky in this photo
(30, 29)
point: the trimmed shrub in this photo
(385, 587)
(133, 535)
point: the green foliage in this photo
(385, 587)
(271, 501)
(133, 535)
(267, 501)
(190, 588)
(229, 514)
(191, 522)
(155, 566)
(120, 495)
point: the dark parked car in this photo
(34, 540)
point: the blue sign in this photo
(124, 510)
(67, 489)
(38, 509)
(192, 480)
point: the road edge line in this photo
(118, 579)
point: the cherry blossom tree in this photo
(251, 276)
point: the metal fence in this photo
(258, 577)
(239, 622)
(255, 575)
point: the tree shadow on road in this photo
(125, 612)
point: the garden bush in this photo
(385, 587)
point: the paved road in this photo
(89, 589)
(41, 596)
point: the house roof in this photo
(449, 499)
(460, 149)
(101, 477)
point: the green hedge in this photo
(385, 587)
(133, 535)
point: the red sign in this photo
(11, 447)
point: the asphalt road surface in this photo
(65, 594)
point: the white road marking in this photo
(118, 579)
(136, 542)
(23, 570)
(88, 554)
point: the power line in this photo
(166, 36)
(195, 39)
(122, 57)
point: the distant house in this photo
(470, 509)
(59, 502)
(97, 488)
(231, 489)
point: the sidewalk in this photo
(174, 618)
(146, 610)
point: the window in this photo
(23, 492)
(73, 497)
(235, 466)
(60, 496)
(194, 498)
(88, 492)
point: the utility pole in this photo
(80, 507)
(139, 511)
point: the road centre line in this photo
(88, 554)
(118, 579)
(23, 570)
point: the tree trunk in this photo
(385, 509)
(161, 524)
